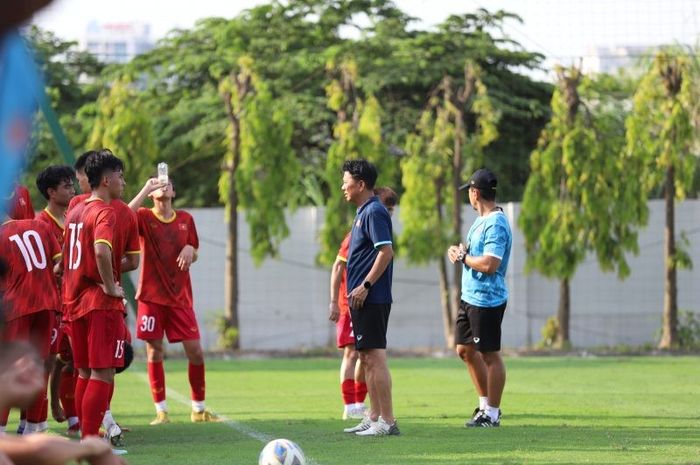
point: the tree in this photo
(433, 170)
(259, 173)
(577, 182)
(123, 126)
(357, 134)
(661, 139)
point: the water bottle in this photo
(163, 173)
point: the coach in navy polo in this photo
(369, 271)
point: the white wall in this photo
(283, 304)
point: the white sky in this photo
(561, 29)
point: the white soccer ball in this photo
(281, 452)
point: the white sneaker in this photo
(361, 426)
(114, 435)
(381, 428)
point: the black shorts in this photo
(480, 326)
(369, 324)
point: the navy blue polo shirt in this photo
(370, 230)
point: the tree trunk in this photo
(669, 338)
(563, 313)
(231, 321)
(448, 311)
(457, 210)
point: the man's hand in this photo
(152, 185)
(334, 312)
(186, 257)
(453, 253)
(117, 291)
(357, 297)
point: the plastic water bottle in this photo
(163, 173)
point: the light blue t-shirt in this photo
(489, 235)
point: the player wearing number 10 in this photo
(92, 296)
(30, 290)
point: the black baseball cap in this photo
(481, 179)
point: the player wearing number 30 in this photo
(92, 296)
(169, 245)
(30, 291)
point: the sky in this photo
(562, 30)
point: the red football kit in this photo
(343, 327)
(20, 207)
(165, 291)
(30, 286)
(97, 319)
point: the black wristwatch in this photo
(367, 285)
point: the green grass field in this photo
(639, 410)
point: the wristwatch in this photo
(367, 285)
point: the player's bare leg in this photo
(347, 382)
(156, 377)
(360, 386)
(195, 372)
(477, 371)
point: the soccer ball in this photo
(281, 452)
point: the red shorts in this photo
(98, 339)
(343, 329)
(179, 324)
(56, 334)
(35, 328)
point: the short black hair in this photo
(80, 163)
(99, 163)
(52, 176)
(361, 170)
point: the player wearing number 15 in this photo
(92, 296)
(30, 290)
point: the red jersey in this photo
(54, 224)
(88, 223)
(20, 207)
(161, 280)
(343, 291)
(30, 250)
(126, 234)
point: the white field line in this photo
(235, 425)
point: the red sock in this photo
(347, 388)
(66, 391)
(80, 386)
(156, 376)
(360, 391)
(196, 375)
(95, 403)
(34, 411)
(4, 415)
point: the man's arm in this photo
(41, 449)
(336, 278)
(56, 409)
(384, 257)
(103, 255)
(484, 264)
(151, 185)
(130, 261)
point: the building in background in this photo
(612, 59)
(117, 42)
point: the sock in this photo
(483, 402)
(360, 391)
(4, 415)
(108, 420)
(156, 377)
(45, 409)
(72, 421)
(162, 406)
(198, 405)
(3, 428)
(35, 410)
(347, 388)
(94, 406)
(43, 426)
(196, 376)
(30, 427)
(66, 391)
(492, 412)
(80, 386)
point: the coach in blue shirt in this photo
(369, 271)
(484, 297)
